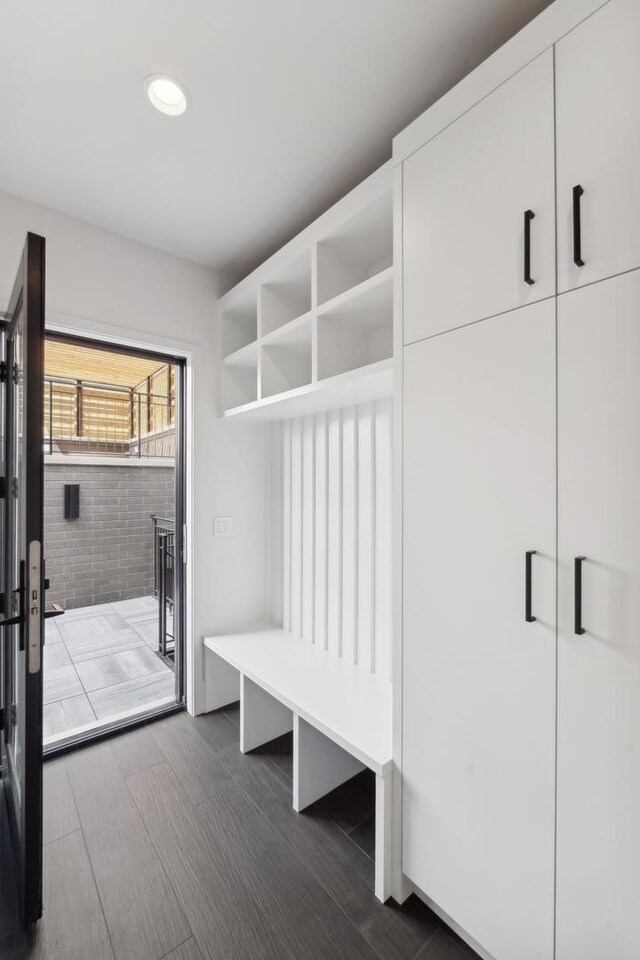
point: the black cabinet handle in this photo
(529, 617)
(528, 217)
(577, 227)
(577, 587)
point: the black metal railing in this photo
(82, 416)
(164, 565)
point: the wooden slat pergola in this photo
(105, 397)
(78, 362)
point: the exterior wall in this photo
(107, 554)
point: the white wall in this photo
(99, 283)
(336, 532)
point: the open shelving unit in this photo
(312, 328)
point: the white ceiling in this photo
(294, 102)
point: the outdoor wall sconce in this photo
(71, 501)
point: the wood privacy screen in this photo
(336, 532)
(103, 414)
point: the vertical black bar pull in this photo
(529, 617)
(528, 217)
(577, 586)
(577, 227)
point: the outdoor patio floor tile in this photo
(51, 632)
(102, 661)
(60, 683)
(147, 630)
(86, 643)
(85, 613)
(55, 655)
(139, 608)
(120, 667)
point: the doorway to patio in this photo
(113, 543)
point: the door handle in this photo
(528, 217)
(53, 610)
(578, 629)
(577, 227)
(529, 617)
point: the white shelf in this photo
(285, 361)
(377, 281)
(347, 389)
(240, 376)
(285, 333)
(240, 324)
(244, 357)
(359, 248)
(287, 296)
(356, 328)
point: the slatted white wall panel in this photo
(336, 532)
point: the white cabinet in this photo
(598, 892)
(466, 193)
(478, 679)
(598, 144)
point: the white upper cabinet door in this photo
(478, 678)
(598, 145)
(465, 198)
(598, 891)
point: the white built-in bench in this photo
(340, 716)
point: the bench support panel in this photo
(319, 765)
(384, 833)
(262, 717)
(222, 682)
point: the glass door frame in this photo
(109, 728)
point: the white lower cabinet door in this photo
(478, 678)
(598, 868)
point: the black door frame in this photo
(108, 729)
(29, 295)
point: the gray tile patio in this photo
(100, 663)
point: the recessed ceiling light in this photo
(166, 94)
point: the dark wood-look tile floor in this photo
(167, 844)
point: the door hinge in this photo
(16, 374)
(13, 715)
(14, 486)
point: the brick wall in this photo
(107, 554)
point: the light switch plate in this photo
(223, 526)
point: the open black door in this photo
(22, 584)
